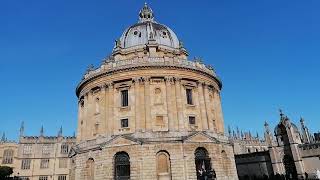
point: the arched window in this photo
(158, 96)
(97, 105)
(225, 161)
(122, 166)
(7, 156)
(203, 164)
(90, 169)
(163, 166)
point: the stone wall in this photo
(255, 164)
(143, 160)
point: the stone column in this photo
(147, 103)
(169, 100)
(203, 110)
(179, 103)
(208, 107)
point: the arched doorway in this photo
(163, 166)
(203, 165)
(90, 169)
(290, 167)
(122, 166)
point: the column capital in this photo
(169, 79)
(177, 79)
(202, 83)
(109, 84)
(146, 78)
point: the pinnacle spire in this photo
(3, 138)
(41, 131)
(22, 128)
(60, 132)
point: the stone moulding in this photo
(99, 144)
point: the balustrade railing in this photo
(111, 65)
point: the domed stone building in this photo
(150, 113)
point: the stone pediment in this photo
(121, 141)
(200, 138)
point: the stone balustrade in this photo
(111, 65)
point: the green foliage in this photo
(5, 171)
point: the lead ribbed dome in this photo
(147, 31)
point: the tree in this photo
(5, 171)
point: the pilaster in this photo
(204, 118)
(179, 103)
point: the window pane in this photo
(124, 123)
(192, 120)
(189, 96)
(124, 98)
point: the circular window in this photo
(135, 32)
(164, 33)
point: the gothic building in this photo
(289, 151)
(38, 157)
(147, 112)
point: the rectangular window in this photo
(62, 177)
(124, 123)
(24, 178)
(189, 96)
(124, 98)
(25, 163)
(7, 156)
(64, 149)
(43, 177)
(63, 163)
(192, 120)
(27, 149)
(44, 163)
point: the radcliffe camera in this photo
(159, 90)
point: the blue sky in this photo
(266, 52)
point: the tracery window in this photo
(27, 149)
(122, 166)
(25, 163)
(44, 163)
(7, 156)
(163, 165)
(64, 149)
(203, 164)
(46, 149)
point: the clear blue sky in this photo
(267, 53)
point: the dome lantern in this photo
(146, 13)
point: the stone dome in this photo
(148, 31)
